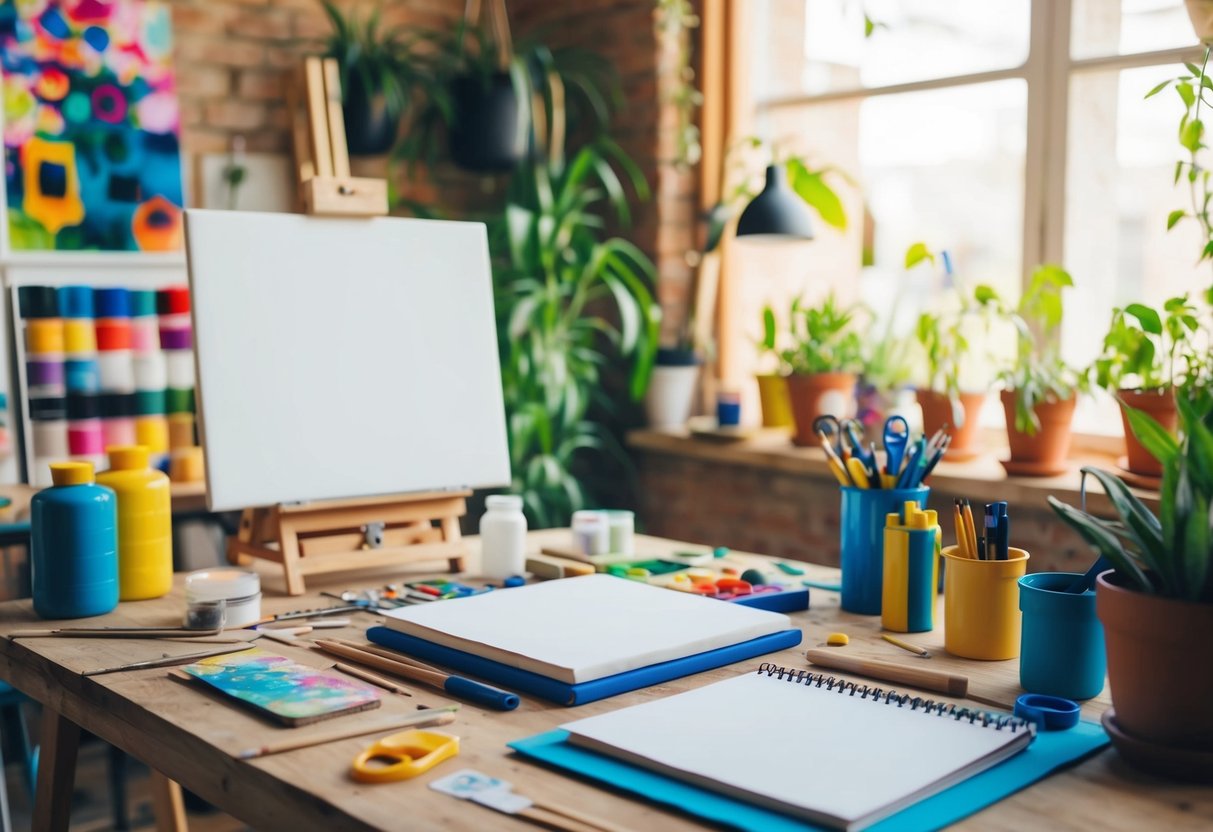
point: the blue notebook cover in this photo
(579, 694)
(1050, 751)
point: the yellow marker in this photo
(839, 474)
(859, 474)
(837, 640)
(888, 481)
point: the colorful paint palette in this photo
(711, 583)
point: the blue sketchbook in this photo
(1049, 752)
(563, 693)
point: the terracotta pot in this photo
(1044, 452)
(819, 394)
(1161, 687)
(1161, 405)
(773, 393)
(937, 411)
(1200, 12)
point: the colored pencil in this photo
(427, 718)
(905, 645)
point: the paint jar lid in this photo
(72, 473)
(174, 300)
(507, 502)
(112, 302)
(143, 303)
(228, 584)
(128, 457)
(38, 302)
(76, 301)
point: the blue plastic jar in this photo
(74, 545)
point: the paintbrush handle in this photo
(422, 719)
(919, 677)
(429, 677)
(373, 678)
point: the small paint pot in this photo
(1062, 650)
(239, 589)
(728, 409)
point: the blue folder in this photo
(580, 693)
(1050, 751)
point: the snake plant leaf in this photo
(1196, 552)
(1140, 526)
(1154, 437)
(1095, 532)
(1200, 438)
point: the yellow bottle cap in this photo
(72, 473)
(128, 457)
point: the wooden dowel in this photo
(919, 677)
(406, 671)
(422, 719)
(580, 817)
(387, 654)
(373, 678)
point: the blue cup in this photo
(728, 411)
(862, 551)
(1062, 649)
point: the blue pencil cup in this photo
(862, 550)
(1062, 649)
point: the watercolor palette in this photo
(283, 689)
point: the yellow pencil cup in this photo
(145, 529)
(981, 617)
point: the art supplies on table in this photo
(581, 639)
(910, 580)
(863, 516)
(881, 752)
(1050, 752)
(907, 463)
(282, 689)
(920, 677)
(403, 756)
(499, 795)
(990, 541)
(749, 588)
(424, 718)
(380, 659)
(165, 660)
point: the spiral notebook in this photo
(828, 751)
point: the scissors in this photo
(403, 755)
(1050, 713)
(845, 429)
(895, 442)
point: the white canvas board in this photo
(586, 628)
(343, 357)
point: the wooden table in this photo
(187, 735)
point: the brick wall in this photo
(796, 515)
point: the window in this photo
(1010, 134)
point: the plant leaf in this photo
(1147, 317)
(916, 253)
(1154, 437)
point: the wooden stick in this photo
(428, 718)
(919, 677)
(387, 654)
(373, 678)
(396, 668)
(552, 820)
(115, 632)
(579, 817)
(165, 661)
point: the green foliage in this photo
(675, 21)
(381, 61)
(1171, 554)
(1192, 88)
(1147, 350)
(571, 303)
(819, 339)
(1038, 373)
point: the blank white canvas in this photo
(343, 357)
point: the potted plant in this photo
(943, 336)
(884, 387)
(1156, 604)
(377, 71)
(1146, 357)
(1040, 389)
(772, 385)
(822, 359)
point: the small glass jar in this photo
(503, 537)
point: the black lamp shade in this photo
(776, 213)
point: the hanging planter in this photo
(371, 125)
(490, 127)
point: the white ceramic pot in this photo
(671, 395)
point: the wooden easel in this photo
(321, 155)
(316, 538)
(338, 535)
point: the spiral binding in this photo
(892, 697)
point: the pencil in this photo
(970, 528)
(373, 678)
(905, 645)
(165, 661)
(422, 719)
(962, 537)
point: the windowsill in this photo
(982, 480)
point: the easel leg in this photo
(288, 541)
(248, 521)
(167, 804)
(56, 772)
(451, 534)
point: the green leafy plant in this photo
(1191, 88)
(1038, 373)
(1148, 350)
(819, 339)
(380, 60)
(1169, 554)
(675, 20)
(571, 302)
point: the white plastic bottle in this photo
(503, 537)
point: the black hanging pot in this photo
(370, 130)
(488, 135)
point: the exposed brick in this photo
(257, 85)
(204, 82)
(234, 115)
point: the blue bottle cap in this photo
(112, 303)
(76, 301)
(1050, 713)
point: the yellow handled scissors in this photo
(404, 755)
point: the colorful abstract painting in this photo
(91, 124)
